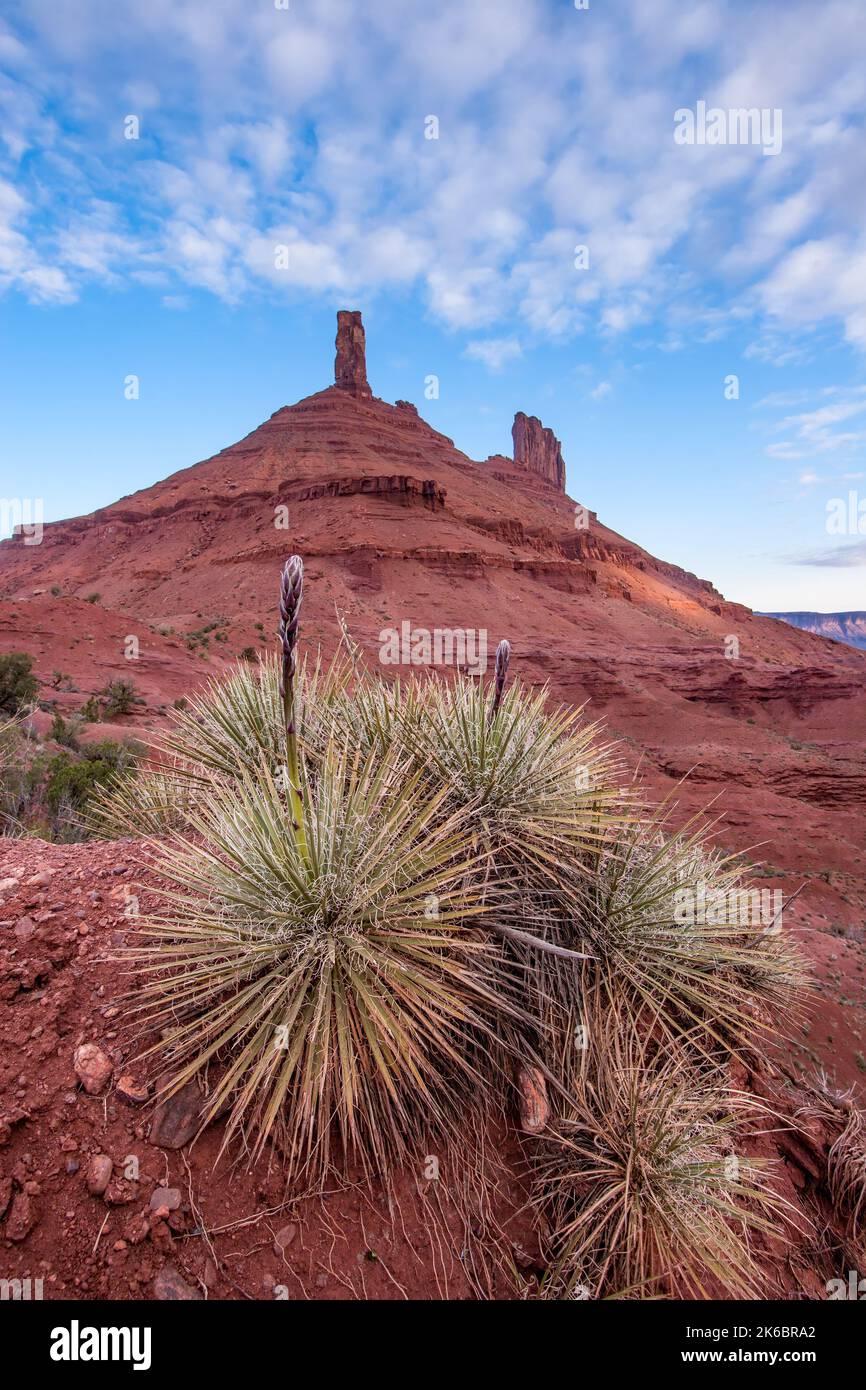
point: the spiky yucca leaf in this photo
(342, 990)
(673, 929)
(222, 731)
(535, 779)
(641, 1182)
(148, 800)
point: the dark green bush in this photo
(18, 685)
(119, 697)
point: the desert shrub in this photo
(387, 898)
(119, 697)
(64, 732)
(18, 685)
(70, 782)
(13, 775)
(643, 1182)
(319, 969)
(48, 794)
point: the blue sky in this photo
(305, 128)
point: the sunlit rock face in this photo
(350, 364)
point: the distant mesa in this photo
(849, 628)
(538, 450)
(350, 364)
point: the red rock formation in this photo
(350, 364)
(538, 449)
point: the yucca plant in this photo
(671, 928)
(537, 780)
(641, 1179)
(223, 730)
(341, 985)
(386, 898)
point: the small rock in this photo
(283, 1239)
(136, 1229)
(21, 1219)
(5, 1194)
(25, 927)
(177, 1119)
(132, 1091)
(40, 880)
(166, 1199)
(92, 1067)
(98, 1174)
(8, 885)
(170, 1285)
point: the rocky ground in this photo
(106, 1193)
(103, 1194)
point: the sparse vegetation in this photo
(119, 697)
(387, 898)
(48, 794)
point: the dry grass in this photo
(642, 1179)
(846, 1160)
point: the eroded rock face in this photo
(350, 364)
(538, 449)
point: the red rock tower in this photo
(538, 450)
(350, 364)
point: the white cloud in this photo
(813, 433)
(820, 279)
(494, 352)
(556, 128)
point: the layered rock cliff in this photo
(538, 450)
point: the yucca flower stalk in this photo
(503, 656)
(291, 596)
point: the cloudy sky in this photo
(284, 167)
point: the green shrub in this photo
(18, 685)
(63, 732)
(119, 697)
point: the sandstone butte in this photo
(396, 525)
